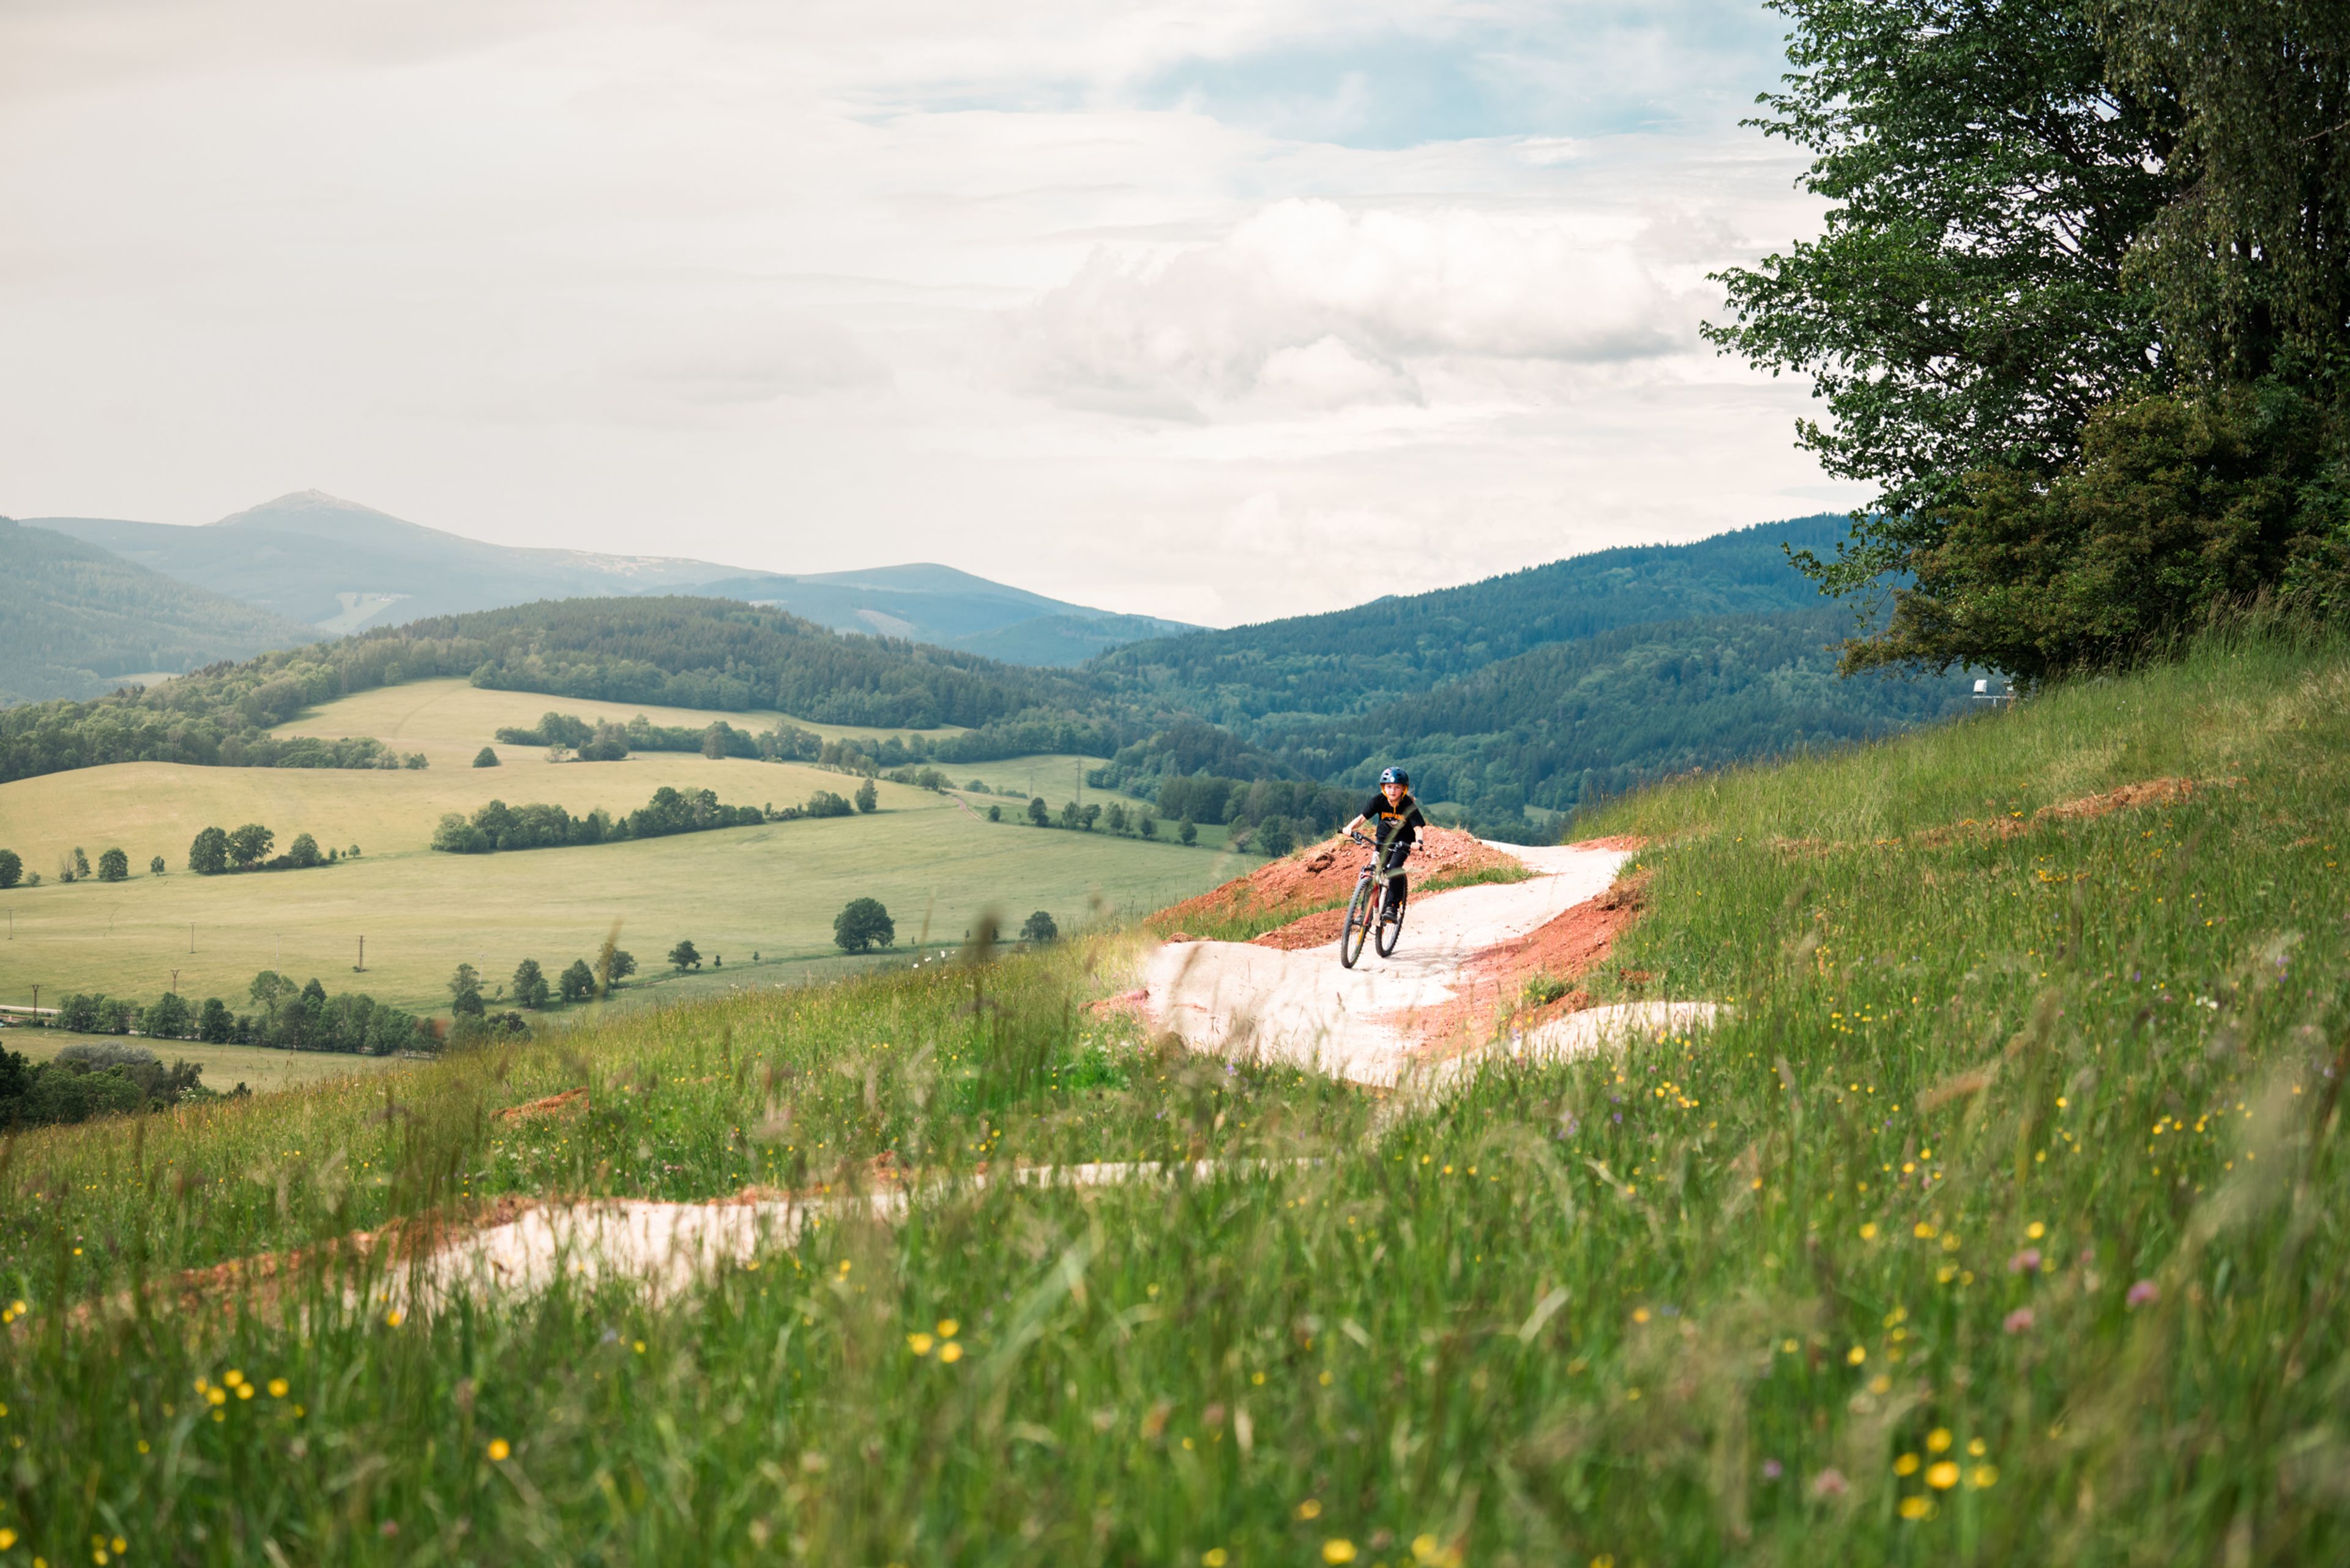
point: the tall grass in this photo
(2018, 1156)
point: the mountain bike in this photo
(1376, 911)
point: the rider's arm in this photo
(1350, 827)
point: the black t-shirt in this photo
(1403, 817)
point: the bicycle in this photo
(1375, 911)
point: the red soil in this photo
(570, 1103)
(1571, 945)
(1323, 874)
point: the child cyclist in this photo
(1399, 821)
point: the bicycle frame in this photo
(1368, 911)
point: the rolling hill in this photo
(79, 621)
(340, 567)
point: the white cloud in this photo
(1043, 289)
(1308, 301)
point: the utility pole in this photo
(192, 935)
(175, 982)
(361, 968)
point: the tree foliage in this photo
(863, 923)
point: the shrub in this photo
(113, 866)
(155, 867)
(577, 983)
(487, 757)
(825, 802)
(861, 924)
(685, 956)
(304, 852)
(869, 796)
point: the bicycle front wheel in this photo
(1359, 915)
(1390, 928)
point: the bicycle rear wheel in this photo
(1390, 928)
(1359, 915)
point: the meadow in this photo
(773, 890)
(1996, 1224)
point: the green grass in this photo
(1698, 1302)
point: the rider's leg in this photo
(1398, 887)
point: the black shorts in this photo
(1393, 856)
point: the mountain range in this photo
(336, 567)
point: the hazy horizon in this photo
(1211, 311)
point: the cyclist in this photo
(1399, 822)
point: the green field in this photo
(773, 890)
(226, 1067)
(1999, 1222)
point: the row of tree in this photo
(1117, 818)
(581, 981)
(217, 851)
(283, 1015)
(538, 826)
(74, 865)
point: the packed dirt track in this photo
(1439, 1004)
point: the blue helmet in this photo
(1396, 775)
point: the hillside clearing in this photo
(1988, 1226)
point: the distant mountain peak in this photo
(311, 502)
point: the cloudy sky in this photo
(1219, 310)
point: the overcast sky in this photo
(1220, 310)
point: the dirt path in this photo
(1427, 1009)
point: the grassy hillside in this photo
(1993, 1227)
(78, 620)
(773, 889)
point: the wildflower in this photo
(2034, 1231)
(393, 1318)
(1942, 1477)
(1772, 1470)
(1976, 1447)
(1309, 1509)
(1937, 1441)
(2143, 1292)
(1829, 1482)
(1214, 1557)
(920, 1344)
(1856, 1354)
(950, 1353)
(1639, 1314)
(949, 1328)
(1915, 1508)
(1906, 1464)
(1985, 1476)
(1337, 1550)
(1923, 1230)
(7, 1538)
(2019, 1321)
(2024, 1262)
(499, 1449)
(277, 1388)
(1868, 1232)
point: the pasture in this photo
(260, 1069)
(772, 890)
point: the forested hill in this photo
(679, 651)
(1353, 659)
(78, 619)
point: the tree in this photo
(208, 855)
(80, 863)
(530, 984)
(1039, 812)
(168, 1019)
(155, 867)
(1147, 826)
(715, 738)
(1189, 832)
(869, 797)
(1039, 928)
(863, 923)
(825, 802)
(683, 957)
(577, 983)
(622, 965)
(1115, 818)
(213, 1024)
(1965, 306)
(465, 993)
(304, 851)
(995, 813)
(113, 866)
(12, 867)
(249, 846)
(268, 990)
(487, 757)
(414, 760)
(1275, 838)
(1072, 815)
